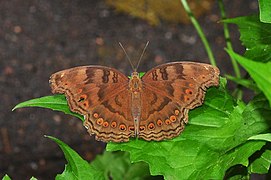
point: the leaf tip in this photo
(15, 107)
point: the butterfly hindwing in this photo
(161, 118)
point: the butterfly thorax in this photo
(135, 84)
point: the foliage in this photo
(215, 139)
(255, 36)
(265, 15)
(109, 165)
(225, 137)
(56, 102)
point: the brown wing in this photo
(101, 95)
(169, 92)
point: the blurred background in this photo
(40, 37)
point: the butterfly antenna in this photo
(142, 54)
(127, 56)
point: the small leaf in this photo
(265, 13)
(77, 168)
(256, 37)
(33, 178)
(260, 72)
(6, 177)
(141, 74)
(262, 164)
(56, 102)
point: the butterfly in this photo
(152, 107)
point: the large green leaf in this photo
(56, 102)
(265, 13)
(260, 72)
(214, 140)
(256, 37)
(77, 168)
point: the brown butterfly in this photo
(154, 107)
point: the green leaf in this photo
(56, 102)
(141, 74)
(264, 137)
(214, 140)
(33, 178)
(256, 37)
(117, 165)
(262, 164)
(265, 13)
(6, 177)
(260, 72)
(110, 165)
(258, 117)
(77, 168)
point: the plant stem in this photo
(227, 38)
(236, 69)
(200, 32)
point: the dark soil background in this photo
(38, 38)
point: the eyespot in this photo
(167, 122)
(186, 98)
(95, 115)
(113, 124)
(122, 127)
(159, 122)
(141, 128)
(100, 121)
(176, 112)
(173, 118)
(188, 91)
(151, 126)
(85, 104)
(105, 124)
(131, 128)
(82, 98)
